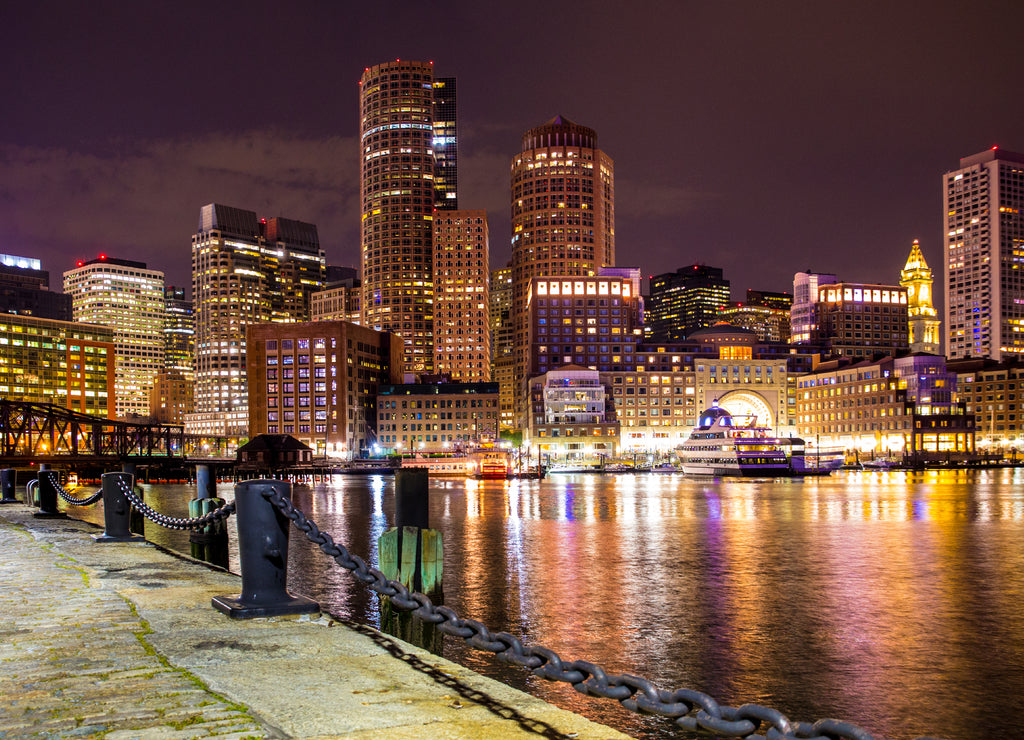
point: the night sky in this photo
(760, 137)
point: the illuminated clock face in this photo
(910, 291)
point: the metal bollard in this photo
(263, 557)
(31, 494)
(412, 498)
(116, 510)
(8, 478)
(48, 482)
(206, 485)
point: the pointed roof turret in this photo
(916, 259)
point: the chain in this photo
(691, 710)
(87, 501)
(171, 522)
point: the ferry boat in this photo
(448, 466)
(723, 445)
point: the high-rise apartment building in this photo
(563, 216)
(924, 328)
(984, 256)
(684, 301)
(397, 183)
(805, 295)
(128, 297)
(462, 342)
(244, 270)
(446, 144)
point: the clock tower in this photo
(916, 277)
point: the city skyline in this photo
(818, 136)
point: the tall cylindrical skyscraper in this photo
(397, 184)
(563, 215)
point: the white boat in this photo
(724, 445)
(664, 468)
(571, 468)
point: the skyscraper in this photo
(461, 332)
(244, 270)
(128, 297)
(446, 145)
(916, 277)
(503, 342)
(563, 215)
(684, 301)
(984, 256)
(179, 333)
(397, 182)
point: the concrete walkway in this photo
(119, 641)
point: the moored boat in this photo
(724, 445)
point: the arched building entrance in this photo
(748, 403)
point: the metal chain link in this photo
(87, 501)
(691, 710)
(171, 522)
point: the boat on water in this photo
(367, 467)
(727, 445)
(493, 466)
(664, 468)
(572, 468)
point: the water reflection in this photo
(889, 599)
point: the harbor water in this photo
(892, 600)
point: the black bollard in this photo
(263, 557)
(412, 501)
(116, 510)
(48, 482)
(8, 478)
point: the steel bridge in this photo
(43, 432)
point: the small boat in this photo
(494, 466)
(617, 468)
(571, 468)
(664, 468)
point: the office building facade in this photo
(684, 301)
(983, 267)
(446, 144)
(437, 417)
(317, 381)
(860, 320)
(67, 364)
(129, 298)
(25, 290)
(245, 270)
(802, 325)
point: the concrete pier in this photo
(119, 641)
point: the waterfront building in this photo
(244, 270)
(397, 184)
(802, 326)
(318, 381)
(984, 253)
(441, 417)
(924, 328)
(563, 218)
(445, 144)
(340, 300)
(590, 321)
(71, 365)
(769, 299)
(25, 290)
(570, 417)
(462, 341)
(503, 342)
(859, 320)
(904, 406)
(128, 297)
(993, 391)
(684, 301)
